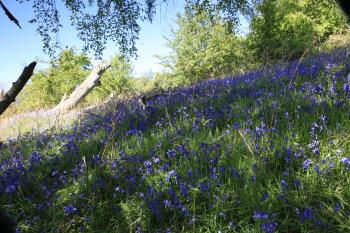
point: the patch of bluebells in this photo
(191, 171)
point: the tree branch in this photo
(82, 90)
(9, 15)
(16, 88)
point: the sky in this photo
(19, 47)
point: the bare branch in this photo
(82, 90)
(17, 87)
(9, 15)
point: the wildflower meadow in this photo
(266, 151)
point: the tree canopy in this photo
(202, 47)
(100, 21)
(285, 29)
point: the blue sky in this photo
(19, 47)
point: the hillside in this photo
(267, 151)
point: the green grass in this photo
(232, 155)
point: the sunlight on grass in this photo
(266, 151)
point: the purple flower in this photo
(204, 186)
(183, 188)
(11, 188)
(337, 207)
(260, 215)
(264, 198)
(284, 184)
(149, 167)
(345, 160)
(286, 114)
(167, 203)
(346, 87)
(170, 174)
(35, 158)
(306, 164)
(308, 214)
(171, 153)
(317, 169)
(70, 209)
(269, 227)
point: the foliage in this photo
(115, 81)
(115, 20)
(203, 47)
(336, 41)
(47, 87)
(266, 151)
(284, 30)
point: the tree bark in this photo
(10, 96)
(82, 90)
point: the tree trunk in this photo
(82, 90)
(10, 96)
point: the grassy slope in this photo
(267, 151)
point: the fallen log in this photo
(10, 96)
(81, 91)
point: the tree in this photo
(115, 20)
(203, 47)
(284, 29)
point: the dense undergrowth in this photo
(267, 151)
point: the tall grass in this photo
(267, 151)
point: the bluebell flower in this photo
(286, 115)
(331, 165)
(284, 184)
(337, 207)
(11, 188)
(231, 225)
(264, 198)
(70, 209)
(308, 214)
(269, 227)
(204, 186)
(298, 183)
(317, 169)
(253, 179)
(167, 203)
(170, 175)
(260, 215)
(306, 164)
(346, 88)
(183, 188)
(96, 160)
(35, 158)
(171, 153)
(149, 166)
(156, 159)
(345, 160)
